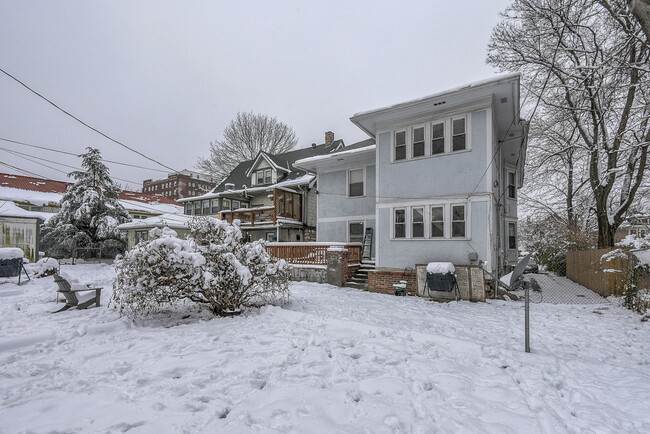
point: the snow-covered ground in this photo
(334, 360)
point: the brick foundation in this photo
(382, 281)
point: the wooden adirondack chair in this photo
(71, 297)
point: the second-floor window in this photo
(400, 145)
(418, 142)
(437, 138)
(355, 182)
(512, 236)
(512, 187)
(264, 176)
(458, 134)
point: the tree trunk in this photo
(641, 10)
(605, 231)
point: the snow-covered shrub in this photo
(44, 267)
(635, 242)
(212, 267)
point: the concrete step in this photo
(356, 279)
(355, 285)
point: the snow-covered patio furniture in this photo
(11, 263)
(69, 292)
(400, 288)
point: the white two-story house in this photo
(437, 180)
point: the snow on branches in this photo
(213, 266)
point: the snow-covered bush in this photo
(44, 267)
(635, 242)
(212, 267)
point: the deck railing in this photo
(311, 253)
(286, 205)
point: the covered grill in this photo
(441, 277)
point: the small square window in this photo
(141, 236)
(355, 187)
(417, 222)
(458, 221)
(458, 134)
(418, 142)
(400, 223)
(437, 222)
(355, 232)
(400, 145)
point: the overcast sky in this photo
(166, 77)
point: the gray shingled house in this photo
(272, 199)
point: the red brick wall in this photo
(382, 281)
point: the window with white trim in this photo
(141, 236)
(512, 186)
(355, 182)
(512, 236)
(197, 207)
(458, 134)
(417, 222)
(400, 145)
(437, 138)
(206, 207)
(458, 221)
(417, 134)
(260, 177)
(236, 204)
(437, 222)
(214, 206)
(355, 232)
(400, 223)
(226, 204)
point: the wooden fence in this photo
(311, 253)
(604, 276)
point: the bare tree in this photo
(589, 67)
(245, 136)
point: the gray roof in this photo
(238, 175)
(361, 144)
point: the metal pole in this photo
(527, 320)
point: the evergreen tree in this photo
(90, 212)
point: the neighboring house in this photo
(437, 181)
(638, 224)
(44, 195)
(271, 198)
(185, 183)
(138, 230)
(21, 228)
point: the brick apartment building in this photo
(179, 185)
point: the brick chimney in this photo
(329, 137)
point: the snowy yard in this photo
(334, 360)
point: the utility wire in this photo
(27, 172)
(25, 156)
(78, 155)
(85, 124)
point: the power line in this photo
(85, 124)
(27, 172)
(78, 155)
(25, 156)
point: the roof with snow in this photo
(174, 221)
(47, 192)
(288, 175)
(10, 209)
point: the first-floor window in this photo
(417, 222)
(141, 236)
(188, 208)
(458, 221)
(437, 222)
(214, 205)
(197, 207)
(271, 236)
(236, 204)
(400, 223)
(206, 207)
(512, 235)
(226, 204)
(355, 231)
